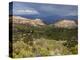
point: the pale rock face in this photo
(66, 24)
(21, 20)
(18, 17)
(38, 22)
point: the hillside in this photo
(31, 22)
(66, 24)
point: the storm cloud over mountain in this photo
(49, 13)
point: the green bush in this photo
(43, 41)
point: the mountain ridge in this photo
(21, 20)
(64, 23)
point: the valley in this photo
(35, 38)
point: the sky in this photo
(44, 11)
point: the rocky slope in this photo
(38, 22)
(65, 24)
(32, 22)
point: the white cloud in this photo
(26, 11)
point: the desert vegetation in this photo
(34, 41)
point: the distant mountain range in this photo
(65, 23)
(50, 19)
